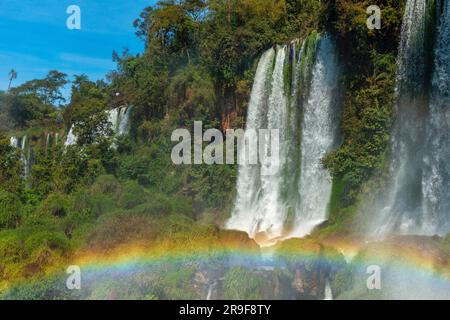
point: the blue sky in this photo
(35, 38)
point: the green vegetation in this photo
(199, 62)
(368, 102)
(240, 284)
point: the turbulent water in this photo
(249, 211)
(301, 103)
(418, 200)
(319, 129)
(119, 119)
(436, 173)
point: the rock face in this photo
(408, 267)
(297, 269)
(239, 240)
(312, 266)
(430, 252)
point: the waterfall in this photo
(71, 139)
(270, 211)
(211, 290)
(124, 122)
(51, 139)
(328, 292)
(301, 104)
(319, 129)
(411, 64)
(245, 214)
(117, 117)
(113, 118)
(47, 140)
(418, 200)
(14, 142)
(25, 152)
(436, 173)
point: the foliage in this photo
(9, 210)
(241, 284)
(10, 167)
(35, 99)
(105, 192)
(86, 111)
(369, 57)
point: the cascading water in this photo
(47, 140)
(14, 142)
(124, 120)
(270, 211)
(302, 105)
(25, 155)
(319, 131)
(119, 119)
(113, 118)
(418, 199)
(436, 173)
(328, 295)
(403, 200)
(245, 216)
(51, 139)
(71, 139)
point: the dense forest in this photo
(106, 192)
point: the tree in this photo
(12, 76)
(143, 82)
(171, 27)
(37, 99)
(47, 89)
(86, 110)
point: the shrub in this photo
(56, 204)
(10, 210)
(122, 229)
(159, 204)
(133, 195)
(240, 283)
(106, 184)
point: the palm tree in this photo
(12, 75)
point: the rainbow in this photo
(137, 258)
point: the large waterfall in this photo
(319, 130)
(418, 198)
(257, 207)
(436, 173)
(295, 91)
